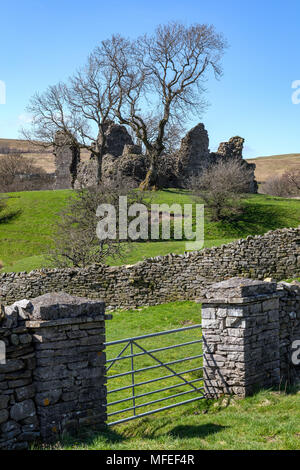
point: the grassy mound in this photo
(25, 238)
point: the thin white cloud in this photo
(25, 118)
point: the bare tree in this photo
(152, 85)
(292, 178)
(161, 77)
(75, 238)
(17, 172)
(222, 187)
(275, 186)
(79, 110)
(285, 185)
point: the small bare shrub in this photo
(275, 186)
(75, 239)
(292, 178)
(18, 173)
(222, 187)
(286, 185)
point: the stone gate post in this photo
(70, 375)
(240, 319)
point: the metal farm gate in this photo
(133, 366)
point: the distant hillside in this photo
(274, 165)
(265, 166)
(41, 157)
(15, 144)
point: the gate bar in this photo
(118, 358)
(155, 411)
(165, 364)
(132, 377)
(154, 380)
(124, 410)
(160, 333)
(154, 391)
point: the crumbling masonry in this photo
(67, 158)
(123, 161)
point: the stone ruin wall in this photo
(233, 149)
(166, 278)
(118, 162)
(194, 155)
(67, 158)
(124, 161)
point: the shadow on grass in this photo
(256, 219)
(10, 216)
(200, 430)
(111, 437)
(88, 438)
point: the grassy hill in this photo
(274, 165)
(25, 236)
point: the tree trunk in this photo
(99, 166)
(97, 154)
(151, 181)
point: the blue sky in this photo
(44, 41)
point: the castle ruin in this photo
(67, 158)
(123, 161)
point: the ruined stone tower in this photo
(67, 157)
(116, 138)
(193, 155)
(233, 149)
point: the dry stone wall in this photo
(18, 415)
(289, 319)
(166, 278)
(53, 379)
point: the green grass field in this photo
(171, 316)
(25, 235)
(268, 420)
